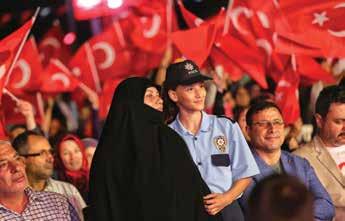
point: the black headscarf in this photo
(142, 169)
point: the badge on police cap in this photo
(190, 68)
(220, 142)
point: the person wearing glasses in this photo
(216, 144)
(265, 127)
(20, 202)
(39, 161)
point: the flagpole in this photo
(40, 104)
(227, 17)
(21, 47)
(293, 62)
(169, 9)
(94, 71)
(12, 96)
(119, 33)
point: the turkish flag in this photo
(315, 23)
(111, 58)
(253, 24)
(107, 96)
(220, 59)
(11, 113)
(286, 96)
(196, 50)
(10, 48)
(312, 71)
(150, 24)
(58, 78)
(247, 59)
(287, 46)
(52, 46)
(82, 65)
(27, 72)
(143, 62)
(191, 19)
(3, 135)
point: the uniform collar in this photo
(205, 124)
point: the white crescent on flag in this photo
(153, 30)
(26, 73)
(110, 54)
(265, 44)
(263, 19)
(235, 13)
(61, 77)
(51, 42)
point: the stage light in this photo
(114, 3)
(69, 38)
(88, 3)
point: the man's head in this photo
(184, 86)
(265, 126)
(330, 115)
(37, 152)
(280, 197)
(12, 171)
(15, 130)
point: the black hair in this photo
(261, 98)
(280, 197)
(16, 126)
(170, 109)
(21, 142)
(329, 95)
(237, 112)
(257, 107)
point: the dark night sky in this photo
(202, 8)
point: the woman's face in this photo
(242, 97)
(153, 99)
(71, 156)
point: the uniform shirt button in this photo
(195, 138)
(199, 163)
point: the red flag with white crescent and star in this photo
(112, 59)
(58, 78)
(286, 96)
(27, 72)
(52, 45)
(83, 66)
(315, 23)
(10, 48)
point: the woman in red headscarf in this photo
(71, 163)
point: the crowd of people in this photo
(178, 145)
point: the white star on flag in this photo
(320, 18)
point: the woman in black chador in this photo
(142, 170)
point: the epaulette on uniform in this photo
(222, 116)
